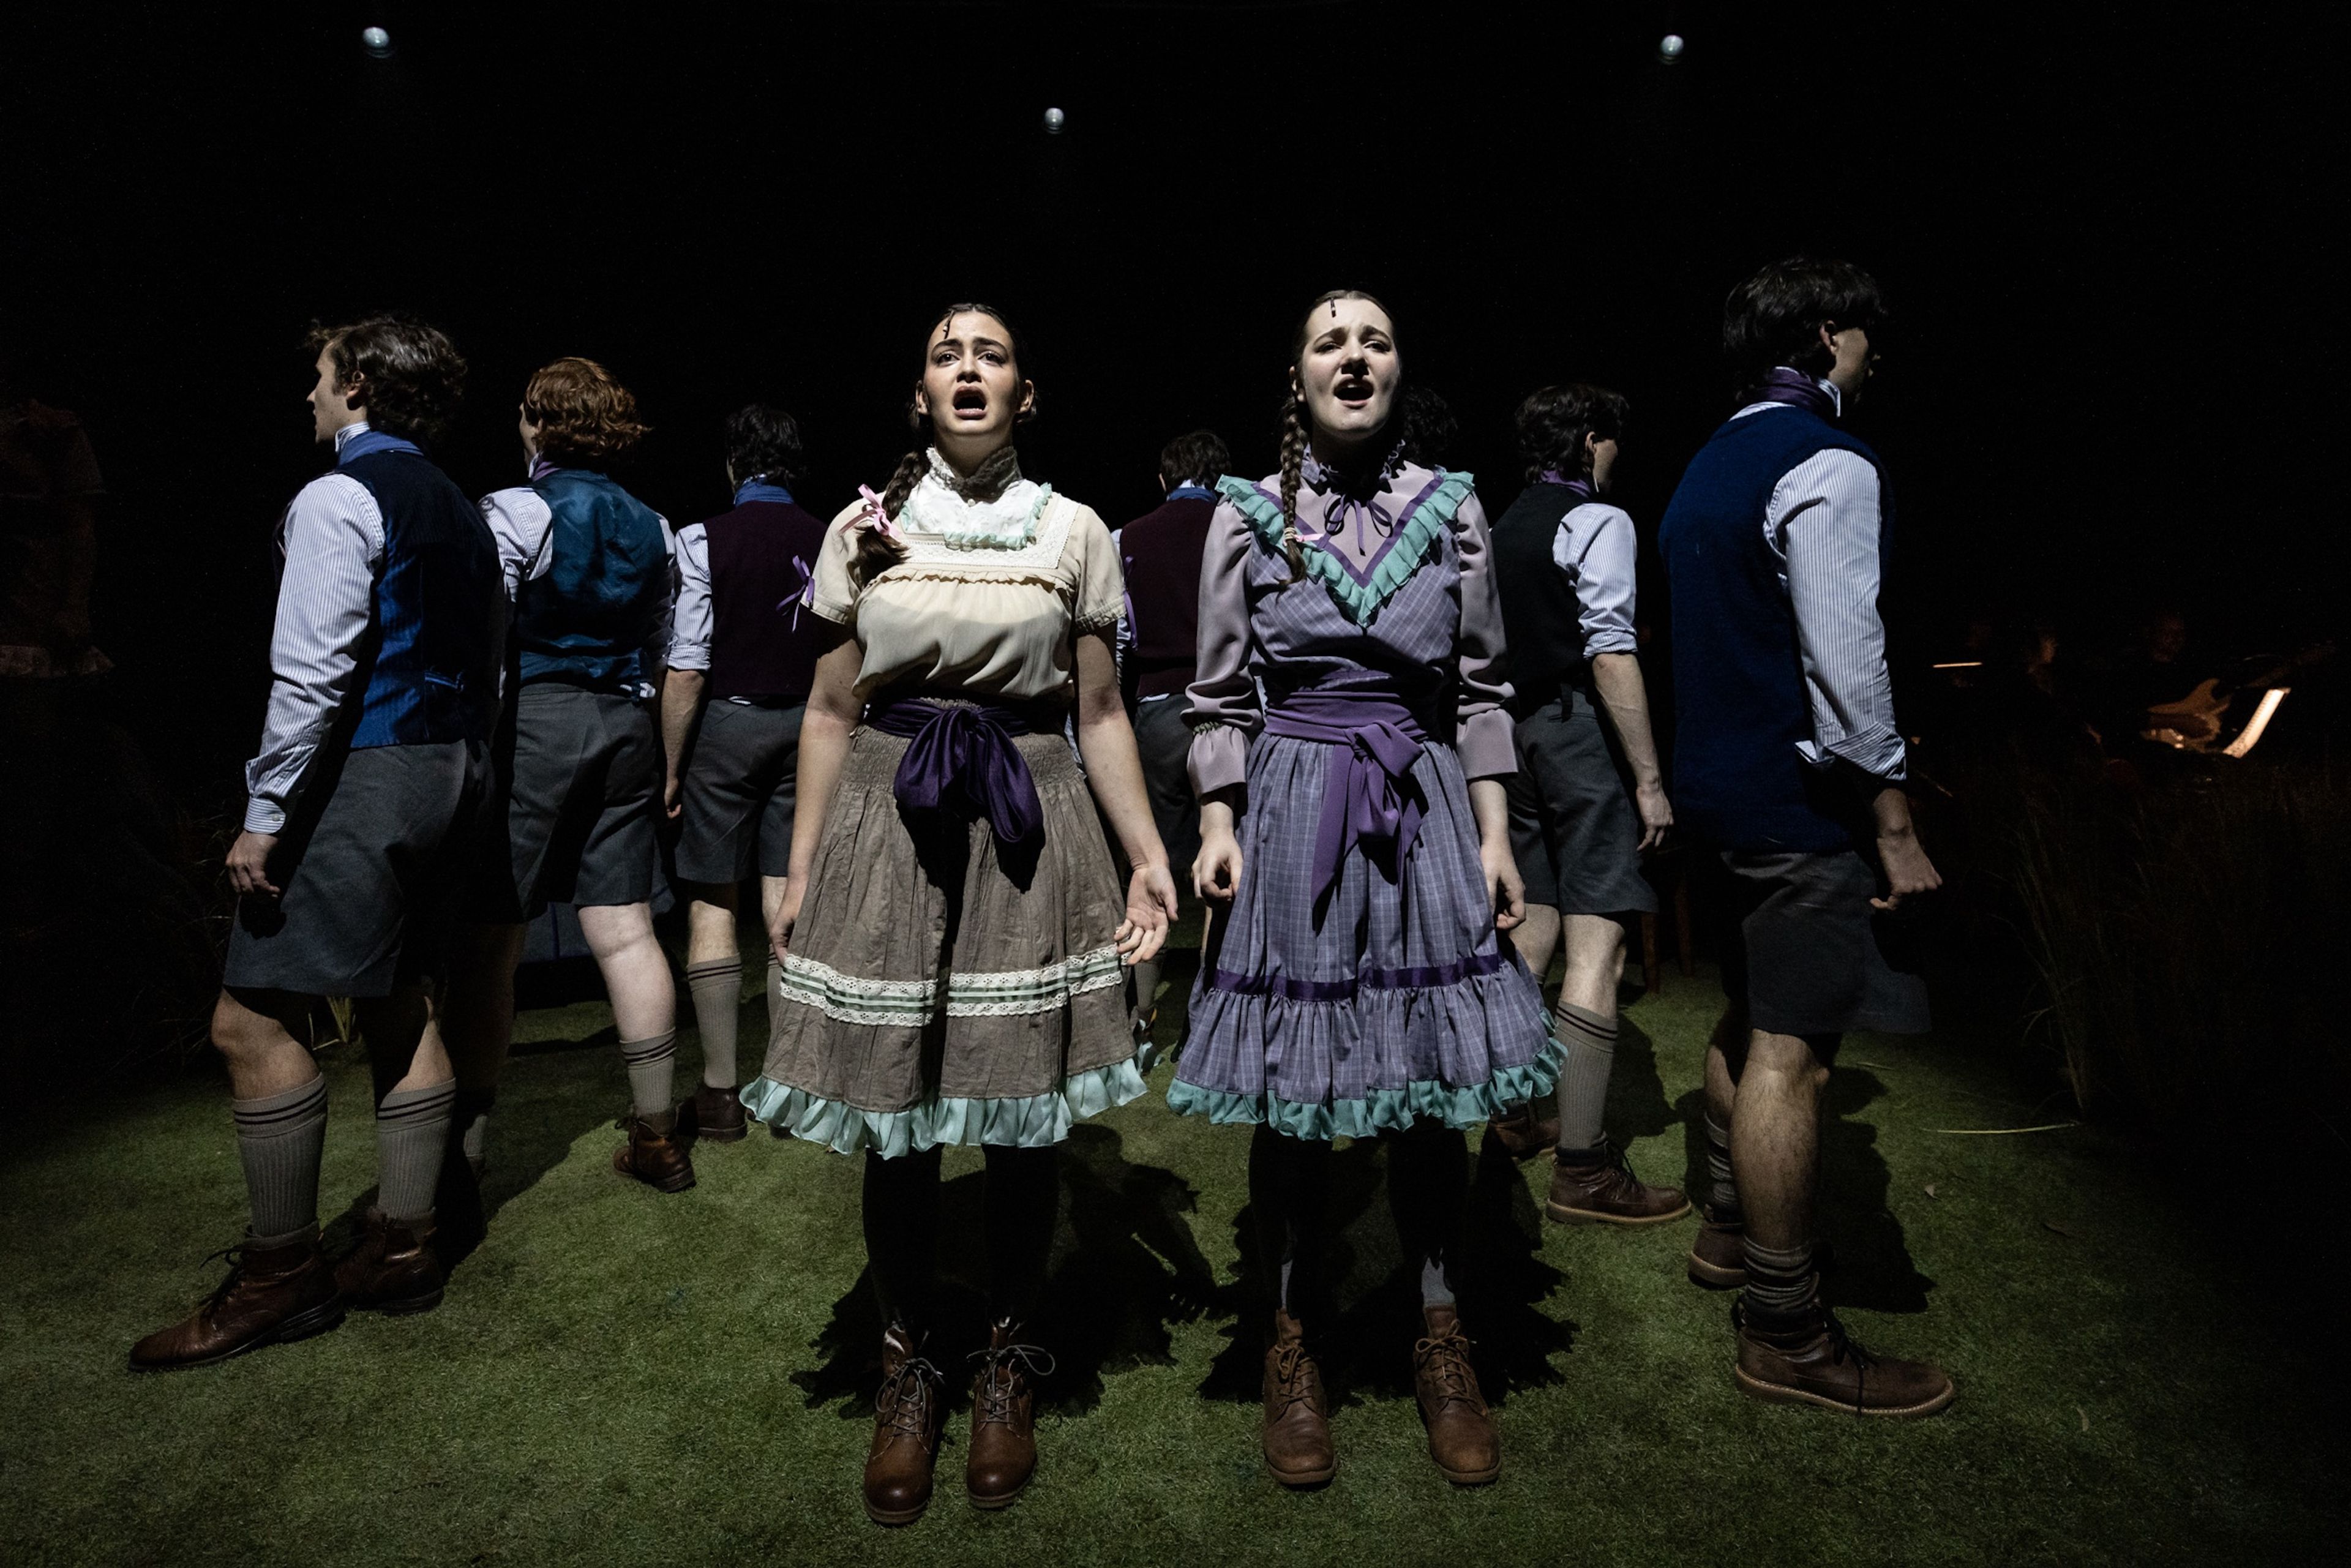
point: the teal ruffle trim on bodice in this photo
(1382, 1110)
(1361, 599)
(1036, 1122)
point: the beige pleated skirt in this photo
(940, 989)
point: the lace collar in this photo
(1366, 481)
(943, 503)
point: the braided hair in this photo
(877, 552)
(1296, 428)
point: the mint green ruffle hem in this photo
(1035, 1121)
(1384, 1110)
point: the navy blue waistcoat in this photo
(1739, 682)
(585, 620)
(428, 668)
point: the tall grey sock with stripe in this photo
(473, 1116)
(1781, 1282)
(1591, 1041)
(652, 1075)
(411, 1133)
(279, 1138)
(1722, 1193)
(716, 988)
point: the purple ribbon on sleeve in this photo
(804, 597)
(1369, 796)
(961, 758)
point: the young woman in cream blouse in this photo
(954, 940)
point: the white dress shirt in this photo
(1821, 524)
(1596, 549)
(332, 539)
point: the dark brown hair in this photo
(1775, 317)
(764, 440)
(1295, 428)
(408, 376)
(585, 418)
(1553, 422)
(1196, 457)
(876, 553)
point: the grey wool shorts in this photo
(739, 792)
(1805, 952)
(1165, 743)
(581, 780)
(371, 871)
(1573, 831)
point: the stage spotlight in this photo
(1669, 49)
(1055, 121)
(378, 42)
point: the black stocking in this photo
(1429, 1183)
(901, 1234)
(1023, 1199)
(1289, 1187)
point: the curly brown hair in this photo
(409, 377)
(585, 418)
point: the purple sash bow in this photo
(961, 759)
(1369, 797)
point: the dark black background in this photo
(2116, 373)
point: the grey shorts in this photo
(1165, 741)
(370, 868)
(738, 793)
(1805, 952)
(582, 777)
(1573, 831)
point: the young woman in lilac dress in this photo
(1355, 843)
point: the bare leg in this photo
(1585, 1020)
(1537, 938)
(710, 923)
(255, 1033)
(635, 969)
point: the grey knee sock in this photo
(280, 1137)
(717, 987)
(1722, 1193)
(472, 1123)
(1591, 1041)
(652, 1075)
(1436, 1285)
(411, 1133)
(1780, 1281)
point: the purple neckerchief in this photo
(1785, 383)
(961, 758)
(806, 596)
(540, 468)
(1581, 488)
(368, 443)
(756, 488)
(1369, 797)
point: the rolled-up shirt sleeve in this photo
(1225, 711)
(1483, 740)
(332, 537)
(1823, 519)
(656, 650)
(689, 642)
(1596, 548)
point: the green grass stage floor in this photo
(618, 1377)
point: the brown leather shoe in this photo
(653, 1158)
(905, 1433)
(1297, 1430)
(1808, 1360)
(394, 1270)
(272, 1295)
(1524, 1132)
(1608, 1193)
(1718, 1256)
(713, 1115)
(1003, 1425)
(1461, 1435)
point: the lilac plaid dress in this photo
(1353, 988)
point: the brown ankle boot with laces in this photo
(905, 1433)
(652, 1156)
(1461, 1435)
(1806, 1359)
(395, 1269)
(1604, 1191)
(272, 1295)
(1003, 1424)
(1297, 1430)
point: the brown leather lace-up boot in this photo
(1526, 1131)
(272, 1294)
(906, 1414)
(1718, 1256)
(652, 1156)
(1806, 1359)
(1461, 1435)
(1003, 1422)
(394, 1270)
(1608, 1193)
(712, 1115)
(1297, 1430)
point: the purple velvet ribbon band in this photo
(961, 759)
(1785, 383)
(1581, 488)
(1369, 797)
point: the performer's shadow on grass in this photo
(1124, 1271)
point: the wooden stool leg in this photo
(1653, 979)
